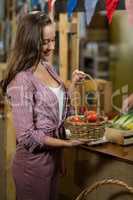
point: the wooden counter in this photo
(89, 164)
(122, 153)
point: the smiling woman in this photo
(40, 105)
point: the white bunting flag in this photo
(90, 6)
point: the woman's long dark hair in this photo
(27, 47)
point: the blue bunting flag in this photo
(71, 4)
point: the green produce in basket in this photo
(124, 121)
(130, 126)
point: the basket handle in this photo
(88, 190)
(97, 92)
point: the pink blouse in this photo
(36, 109)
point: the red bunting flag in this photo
(50, 4)
(129, 7)
(111, 6)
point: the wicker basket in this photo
(84, 195)
(86, 130)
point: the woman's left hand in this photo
(77, 76)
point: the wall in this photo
(121, 33)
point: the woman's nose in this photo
(51, 45)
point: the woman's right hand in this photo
(54, 142)
(77, 142)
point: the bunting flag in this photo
(42, 4)
(34, 3)
(111, 6)
(129, 7)
(90, 6)
(71, 4)
(51, 4)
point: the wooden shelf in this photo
(124, 154)
(97, 35)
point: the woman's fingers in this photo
(79, 73)
(78, 76)
(77, 142)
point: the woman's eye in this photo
(53, 40)
(45, 42)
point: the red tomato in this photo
(76, 119)
(89, 112)
(92, 117)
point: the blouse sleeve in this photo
(22, 103)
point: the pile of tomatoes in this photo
(91, 116)
(87, 116)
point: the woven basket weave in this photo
(84, 194)
(86, 130)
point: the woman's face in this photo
(48, 42)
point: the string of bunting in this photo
(51, 5)
(90, 5)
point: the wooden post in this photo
(10, 146)
(75, 44)
(7, 148)
(2, 143)
(66, 27)
(63, 46)
(9, 136)
(2, 159)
